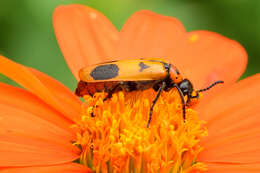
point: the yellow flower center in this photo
(114, 138)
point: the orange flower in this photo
(43, 125)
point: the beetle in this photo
(136, 75)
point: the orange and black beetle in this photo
(133, 75)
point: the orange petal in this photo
(239, 93)
(212, 57)
(22, 150)
(24, 100)
(64, 168)
(233, 168)
(233, 123)
(28, 140)
(85, 36)
(35, 83)
(17, 120)
(148, 35)
(201, 56)
(62, 93)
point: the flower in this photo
(46, 128)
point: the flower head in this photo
(46, 128)
(117, 138)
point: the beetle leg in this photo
(154, 101)
(111, 92)
(109, 95)
(182, 100)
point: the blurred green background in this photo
(27, 36)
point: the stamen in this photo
(116, 138)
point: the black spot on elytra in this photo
(104, 72)
(143, 66)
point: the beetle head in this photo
(186, 88)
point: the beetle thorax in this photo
(175, 75)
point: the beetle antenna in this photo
(212, 85)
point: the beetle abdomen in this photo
(90, 88)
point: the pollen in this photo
(93, 15)
(113, 136)
(193, 38)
